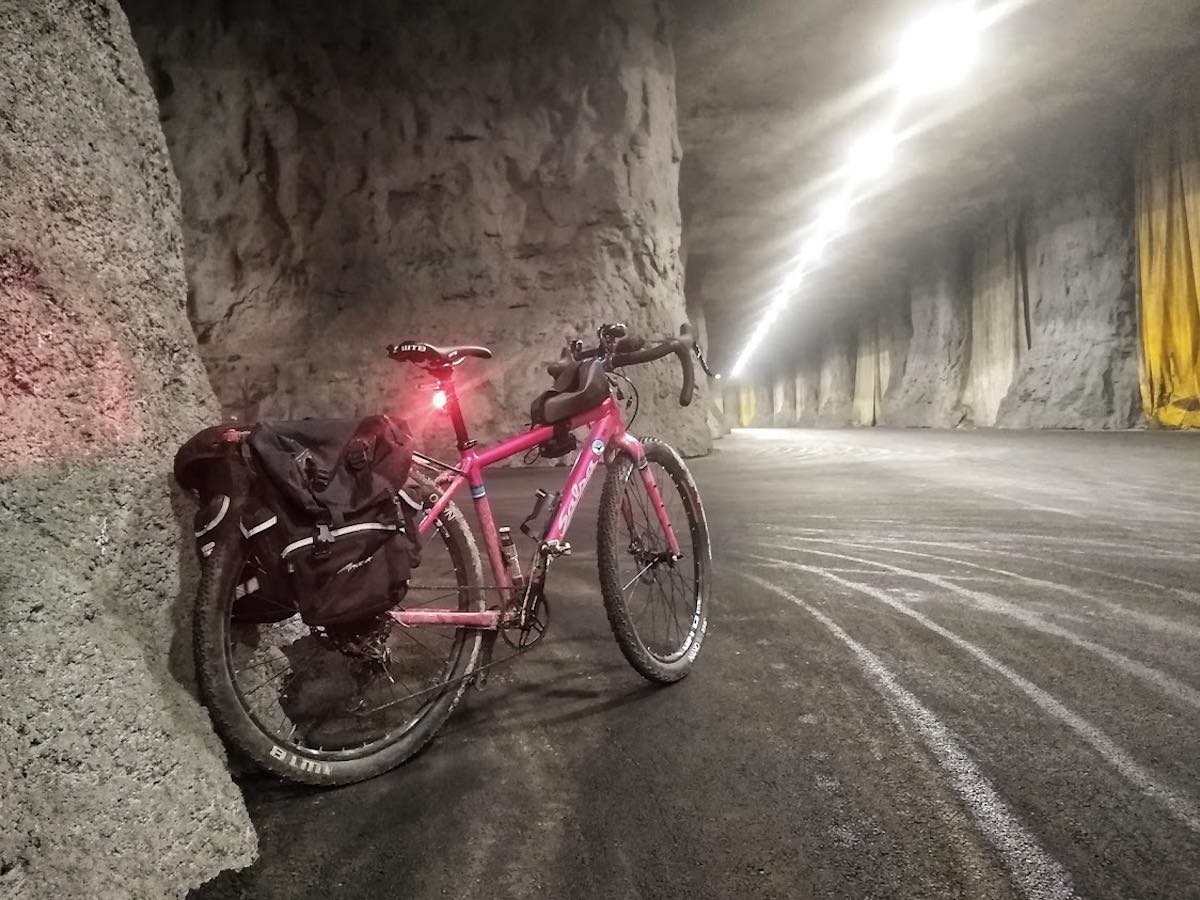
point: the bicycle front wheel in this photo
(657, 604)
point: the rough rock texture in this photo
(883, 339)
(112, 783)
(749, 406)
(997, 317)
(783, 397)
(835, 404)
(930, 391)
(808, 384)
(358, 173)
(1081, 368)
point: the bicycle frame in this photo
(606, 437)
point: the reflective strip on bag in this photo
(271, 522)
(217, 520)
(338, 532)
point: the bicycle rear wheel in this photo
(334, 707)
(657, 606)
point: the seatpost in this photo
(446, 383)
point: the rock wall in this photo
(808, 393)
(929, 392)
(835, 391)
(358, 173)
(1081, 367)
(783, 401)
(112, 783)
(998, 315)
(883, 338)
(1028, 321)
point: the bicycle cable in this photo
(637, 397)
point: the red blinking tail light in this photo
(439, 399)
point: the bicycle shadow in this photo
(538, 705)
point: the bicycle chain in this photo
(452, 682)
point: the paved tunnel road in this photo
(940, 665)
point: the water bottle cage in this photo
(541, 500)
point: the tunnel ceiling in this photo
(772, 93)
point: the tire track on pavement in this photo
(1038, 875)
(1179, 806)
(1172, 686)
(1149, 620)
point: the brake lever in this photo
(703, 362)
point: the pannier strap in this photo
(338, 532)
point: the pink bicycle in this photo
(333, 708)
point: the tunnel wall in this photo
(1026, 320)
(928, 393)
(835, 379)
(112, 783)
(358, 173)
(1080, 369)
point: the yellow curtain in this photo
(1168, 220)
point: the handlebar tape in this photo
(681, 347)
(631, 350)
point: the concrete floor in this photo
(939, 665)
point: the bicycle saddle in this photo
(428, 355)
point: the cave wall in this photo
(929, 392)
(1026, 320)
(112, 783)
(1080, 369)
(358, 173)
(783, 400)
(835, 381)
(998, 306)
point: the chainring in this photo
(536, 621)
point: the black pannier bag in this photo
(326, 521)
(211, 464)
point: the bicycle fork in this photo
(660, 510)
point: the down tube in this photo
(633, 447)
(581, 474)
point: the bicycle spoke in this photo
(344, 691)
(662, 613)
(263, 684)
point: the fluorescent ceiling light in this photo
(834, 213)
(938, 49)
(935, 53)
(872, 154)
(791, 281)
(812, 249)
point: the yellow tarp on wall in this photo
(1168, 219)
